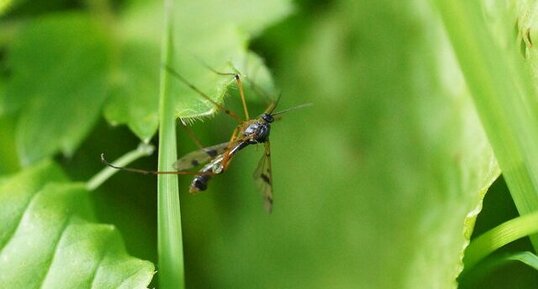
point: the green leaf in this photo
(212, 33)
(47, 242)
(217, 34)
(83, 59)
(58, 87)
(23, 187)
(134, 97)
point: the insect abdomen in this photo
(199, 183)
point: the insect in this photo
(216, 159)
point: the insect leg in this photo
(201, 93)
(242, 93)
(148, 172)
(239, 83)
(227, 154)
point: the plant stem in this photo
(170, 242)
(97, 180)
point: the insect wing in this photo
(264, 177)
(199, 157)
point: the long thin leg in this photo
(227, 156)
(147, 172)
(201, 93)
(239, 83)
(242, 93)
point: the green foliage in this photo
(4, 5)
(500, 236)
(47, 240)
(503, 102)
(67, 83)
(383, 176)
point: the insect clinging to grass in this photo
(216, 159)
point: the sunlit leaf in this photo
(46, 240)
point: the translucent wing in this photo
(264, 177)
(199, 157)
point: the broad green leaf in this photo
(46, 240)
(58, 83)
(134, 101)
(134, 97)
(374, 184)
(217, 34)
(23, 187)
(207, 33)
(83, 59)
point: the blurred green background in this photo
(372, 184)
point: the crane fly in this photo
(216, 159)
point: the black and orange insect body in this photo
(249, 132)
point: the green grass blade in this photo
(502, 92)
(499, 236)
(169, 215)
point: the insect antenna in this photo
(292, 108)
(142, 171)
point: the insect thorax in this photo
(257, 131)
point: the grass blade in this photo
(502, 92)
(169, 215)
(499, 236)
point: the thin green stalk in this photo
(503, 95)
(499, 236)
(141, 151)
(170, 242)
